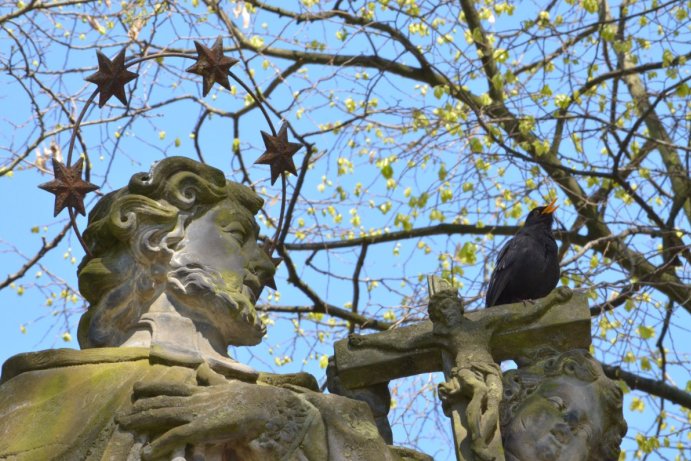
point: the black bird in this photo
(527, 265)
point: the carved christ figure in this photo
(474, 377)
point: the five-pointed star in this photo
(279, 153)
(213, 65)
(111, 77)
(68, 186)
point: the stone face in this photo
(175, 263)
(172, 280)
(562, 408)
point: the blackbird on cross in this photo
(527, 266)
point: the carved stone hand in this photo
(356, 340)
(230, 415)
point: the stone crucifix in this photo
(467, 348)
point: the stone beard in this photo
(224, 282)
(191, 282)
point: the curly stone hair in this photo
(578, 363)
(133, 232)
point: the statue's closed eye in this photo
(236, 229)
(557, 402)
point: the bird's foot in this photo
(527, 302)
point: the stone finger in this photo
(143, 390)
(157, 420)
(160, 401)
(163, 446)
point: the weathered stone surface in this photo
(61, 404)
(78, 405)
(377, 397)
(172, 282)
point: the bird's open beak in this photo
(551, 207)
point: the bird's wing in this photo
(500, 276)
(515, 252)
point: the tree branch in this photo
(45, 248)
(658, 388)
(439, 229)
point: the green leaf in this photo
(467, 254)
(475, 145)
(637, 405)
(591, 6)
(645, 332)
(442, 172)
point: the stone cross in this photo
(467, 348)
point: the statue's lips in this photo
(549, 448)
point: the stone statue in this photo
(172, 279)
(562, 408)
(473, 387)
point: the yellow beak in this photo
(551, 207)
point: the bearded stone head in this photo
(181, 231)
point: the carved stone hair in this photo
(578, 363)
(132, 233)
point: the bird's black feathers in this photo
(527, 265)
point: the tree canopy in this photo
(430, 129)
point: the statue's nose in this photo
(263, 266)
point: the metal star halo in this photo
(213, 65)
(279, 153)
(111, 77)
(68, 186)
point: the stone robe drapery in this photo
(63, 405)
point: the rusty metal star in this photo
(68, 186)
(213, 65)
(111, 77)
(279, 153)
